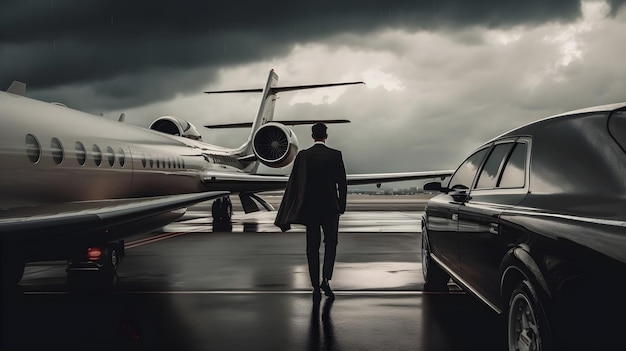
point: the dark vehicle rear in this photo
(534, 224)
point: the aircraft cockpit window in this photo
(110, 155)
(122, 158)
(143, 161)
(151, 163)
(81, 153)
(97, 155)
(57, 151)
(33, 149)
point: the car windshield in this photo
(617, 127)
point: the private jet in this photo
(74, 184)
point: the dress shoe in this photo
(326, 287)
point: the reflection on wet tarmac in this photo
(200, 289)
(263, 222)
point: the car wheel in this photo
(527, 325)
(435, 278)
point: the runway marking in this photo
(156, 238)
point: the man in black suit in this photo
(315, 196)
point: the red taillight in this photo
(94, 253)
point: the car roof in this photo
(599, 108)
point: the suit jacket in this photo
(316, 190)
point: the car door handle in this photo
(455, 216)
(494, 228)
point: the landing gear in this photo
(222, 210)
(96, 266)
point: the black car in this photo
(533, 223)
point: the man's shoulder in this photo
(320, 149)
(334, 151)
(323, 147)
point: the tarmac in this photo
(245, 286)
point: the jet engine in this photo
(176, 126)
(275, 145)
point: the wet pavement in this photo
(194, 287)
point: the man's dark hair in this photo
(319, 131)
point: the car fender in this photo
(518, 265)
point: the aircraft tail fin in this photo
(265, 113)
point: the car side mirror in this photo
(459, 195)
(435, 186)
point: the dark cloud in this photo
(140, 47)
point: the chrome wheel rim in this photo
(523, 329)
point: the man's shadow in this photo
(315, 338)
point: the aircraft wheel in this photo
(111, 263)
(215, 210)
(222, 210)
(227, 209)
(112, 258)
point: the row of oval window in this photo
(33, 151)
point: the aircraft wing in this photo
(378, 178)
(90, 216)
(245, 182)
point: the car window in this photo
(514, 173)
(489, 175)
(617, 127)
(464, 175)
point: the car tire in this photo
(435, 278)
(527, 325)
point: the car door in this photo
(501, 184)
(442, 211)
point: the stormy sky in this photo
(442, 77)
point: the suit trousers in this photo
(313, 240)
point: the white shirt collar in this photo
(319, 142)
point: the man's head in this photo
(319, 132)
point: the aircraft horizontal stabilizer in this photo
(285, 122)
(275, 90)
